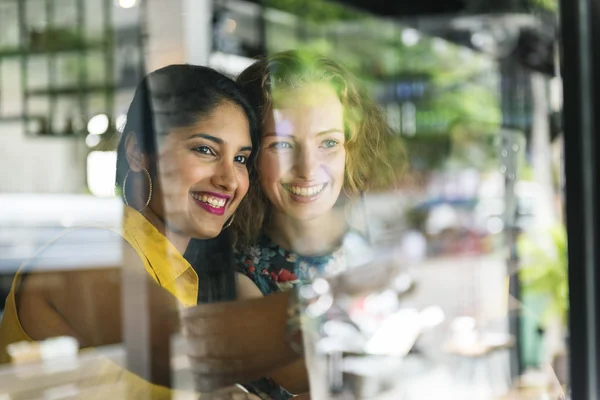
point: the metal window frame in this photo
(580, 32)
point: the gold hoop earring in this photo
(229, 223)
(149, 187)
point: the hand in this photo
(236, 341)
(366, 279)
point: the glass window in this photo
(349, 201)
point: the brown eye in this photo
(241, 159)
(204, 150)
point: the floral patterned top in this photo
(274, 269)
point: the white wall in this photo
(165, 33)
(48, 165)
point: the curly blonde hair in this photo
(374, 155)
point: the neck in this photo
(313, 237)
(179, 241)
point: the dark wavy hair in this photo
(177, 96)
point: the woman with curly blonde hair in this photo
(324, 142)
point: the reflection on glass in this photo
(404, 206)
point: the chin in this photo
(309, 216)
(205, 233)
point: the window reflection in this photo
(380, 190)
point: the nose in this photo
(306, 162)
(225, 176)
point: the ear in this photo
(135, 158)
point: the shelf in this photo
(64, 67)
(76, 90)
(11, 118)
(45, 135)
(19, 118)
(19, 52)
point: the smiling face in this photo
(302, 157)
(203, 173)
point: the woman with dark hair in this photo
(183, 168)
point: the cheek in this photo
(341, 167)
(243, 183)
(336, 164)
(271, 168)
(170, 174)
(180, 172)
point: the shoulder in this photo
(255, 263)
(246, 288)
(73, 286)
(251, 259)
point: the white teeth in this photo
(303, 191)
(213, 201)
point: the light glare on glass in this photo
(98, 124)
(127, 3)
(410, 37)
(120, 123)
(92, 140)
(230, 25)
(101, 173)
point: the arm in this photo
(78, 303)
(228, 340)
(293, 377)
(237, 341)
(246, 289)
(88, 304)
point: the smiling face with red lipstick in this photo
(203, 172)
(302, 156)
(184, 160)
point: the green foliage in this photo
(548, 5)
(315, 10)
(463, 91)
(544, 269)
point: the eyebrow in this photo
(216, 140)
(207, 137)
(328, 131)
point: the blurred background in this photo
(472, 87)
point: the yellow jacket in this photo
(168, 268)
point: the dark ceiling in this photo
(400, 8)
(407, 8)
(457, 20)
(537, 28)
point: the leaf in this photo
(544, 268)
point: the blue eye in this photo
(241, 159)
(203, 150)
(280, 145)
(329, 143)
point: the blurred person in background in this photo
(183, 168)
(324, 142)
